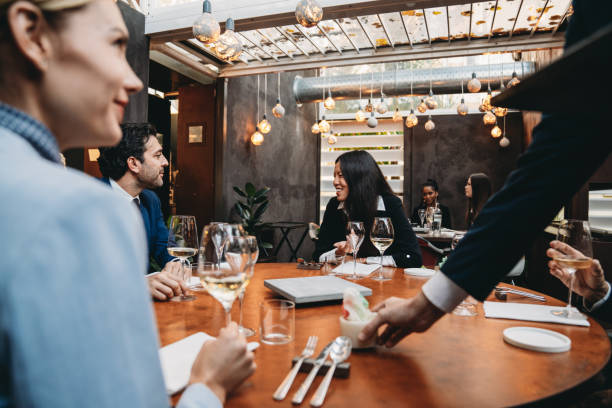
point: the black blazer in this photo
(405, 248)
(446, 217)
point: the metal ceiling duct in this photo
(443, 81)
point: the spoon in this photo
(340, 351)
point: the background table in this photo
(460, 361)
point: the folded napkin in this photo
(362, 269)
(534, 313)
(177, 359)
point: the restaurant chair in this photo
(431, 253)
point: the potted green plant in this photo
(251, 207)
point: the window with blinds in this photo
(385, 143)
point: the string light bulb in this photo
(421, 107)
(486, 102)
(332, 139)
(489, 118)
(412, 120)
(228, 46)
(369, 107)
(462, 108)
(372, 121)
(431, 102)
(430, 125)
(382, 107)
(513, 81)
(308, 13)
(504, 142)
(473, 84)
(329, 102)
(397, 116)
(206, 29)
(500, 112)
(360, 116)
(315, 129)
(278, 110)
(257, 138)
(264, 126)
(496, 132)
(324, 125)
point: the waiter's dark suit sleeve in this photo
(604, 312)
(405, 248)
(566, 150)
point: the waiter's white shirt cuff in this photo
(600, 302)
(328, 256)
(443, 293)
(387, 260)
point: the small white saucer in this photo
(419, 272)
(533, 338)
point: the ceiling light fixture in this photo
(308, 13)
(278, 110)
(430, 125)
(257, 138)
(206, 29)
(228, 46)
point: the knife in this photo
(298, 397)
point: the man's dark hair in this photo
(113, 160)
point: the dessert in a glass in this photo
(355, 315)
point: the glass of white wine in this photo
(355, 233)
(218, 236)
(254, 248)
(183, 244)
(381, 236)
(225, 284)
(577, 234)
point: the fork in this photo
(283, 388)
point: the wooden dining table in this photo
(460, 361)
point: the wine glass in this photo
(577, 234)
(218, 235)
(429, 215)
(355, 233)
(254, 248)
(467, 307)
(183, 244)
(422, 216)
(381, 236)
(225, 284)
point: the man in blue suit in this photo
(131, 168)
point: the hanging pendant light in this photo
(329, 103)
(473, 84)
(486, 102)
(308, 13)
(369, 107)
(412, 120)
(332, 139)
(397, 116)
(315, 129)
(360, 115)
(421, 107)
(264, 125)
(513, 81)
(382, 107)
(430, 101)
(500, 112)
(496, 132)
(372, 121)
(462, 108)
(228, 46)
(278, 110)
(324, 125)
(257, 138)
(430, 125)
(504, 142)
(489, 118)
(206, 29)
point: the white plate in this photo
(419, 272)
(532, 338)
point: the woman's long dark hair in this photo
(481, 191)
(365, 183)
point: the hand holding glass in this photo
(183, 244)
(381, 236)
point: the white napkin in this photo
(527, 311)
(177, 359)
(362, 269)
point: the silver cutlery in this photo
(298, 397)
(502, 294)
(283, 388)
(339, 352)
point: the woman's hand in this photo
(343, 248)
(589, 283)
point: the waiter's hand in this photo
(401, 317)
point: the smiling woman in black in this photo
(362, 193)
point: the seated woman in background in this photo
(478, 191)
(430, 199)
(362, 193)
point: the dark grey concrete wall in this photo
(287, 161)
(456, 148)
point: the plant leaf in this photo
(239, 192)
(249, 188)
(260, 199)
(266, 245)
(260, 210)
(261, 192)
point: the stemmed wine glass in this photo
(218, 235)
(183, 244)
(422, 216)
(466, 307)
(225, 284)
(355, 233)
(577, 234)
(254, 248)
(381, 236)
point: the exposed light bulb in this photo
(315, 129)
(500, 112)
(369, 107)
(264, 125)
(421, 107)
(489, 118)
(278, 110)
(372, 121)
(324, 126)
(504, 142)
(462, 108)
(329, 102)
(431, 102)
(513, 81)
(430, 125)
(397, 116)
(257, 138)
(412, 120)
(382, 107)
(308, 13)
(332, 139)
(206, 29)
(486, 102)
(360, 115)
(473, 84)
(299, 105)
(228, 46)
(496, 131)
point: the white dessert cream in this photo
(355, 315)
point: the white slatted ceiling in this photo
(385, 143)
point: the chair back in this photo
(430, 253)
